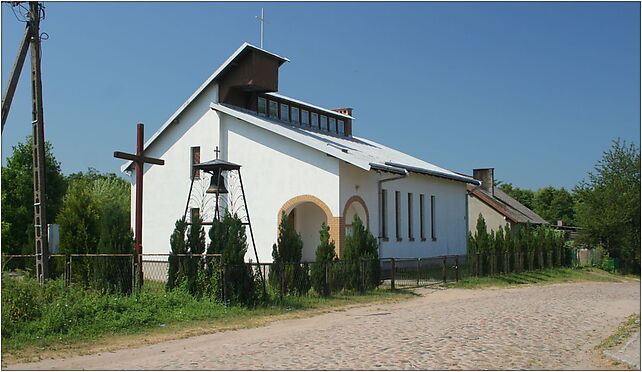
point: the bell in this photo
(216, 186)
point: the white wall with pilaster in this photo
(450, 203)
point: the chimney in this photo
(344, 111)
(486, 176)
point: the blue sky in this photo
(536, 90)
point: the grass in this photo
(544, 276)
(57, 320)
(624, 331)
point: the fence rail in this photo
(120, 272)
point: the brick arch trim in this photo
(356, 199)
(303, 199)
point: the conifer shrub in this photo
(114, 274)
(523, 247)
(287, 273)
(361, 256)
(324, 256)
(228, 238)
(177, 270)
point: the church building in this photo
(296, 158)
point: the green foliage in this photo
(290, 276)
(361, 254)
(35, 316)
(95, 218)
(228, 238)
(113, 274)
(608, 208)
(524, 247)
(548, 202)
(555, 205)
(177, 268)
(17, 196)
(325, 253)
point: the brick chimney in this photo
(344, 111)
(487, 178)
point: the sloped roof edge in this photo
(429, 172)
(292, 133)
(198, 91)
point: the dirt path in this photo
(538, 327)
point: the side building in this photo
(497, 207)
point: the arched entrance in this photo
(355, 206)
(306, 213)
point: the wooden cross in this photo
(139, 159)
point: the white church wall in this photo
(451, 221)
(166, 187)
(276, 169)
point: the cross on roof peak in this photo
(216, 150)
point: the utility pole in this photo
(38, 126)
(31, 39)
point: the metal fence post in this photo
(477, 264)
(443, 267)
(418, 268)
(392, 275)
(457, 268)
(223, 279)
(282, 279)
(133, 266)
(325, 277)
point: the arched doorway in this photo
(306, 213)
(355, 206)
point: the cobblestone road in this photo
(538, 327)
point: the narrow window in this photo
(398, 215)
(324, 122)
(295, 115)
(274, 110)
(195, 214)
(305, 118)
(195, 158)
(410, 237)
(333, 125)
(384, 214)
(422, 219)
(262, 106)
(285, 112)
(432, 218)
(315, 120)
(342, 127)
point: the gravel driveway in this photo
(537, 327)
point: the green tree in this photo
(324, 256)
(286, 254)
(554, 205)
(114, 274)
(228, 238)
(361, 254)
(17, 196)
(79, 227)
(177, 268)
(608, 208)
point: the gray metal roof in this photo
(360, 152)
